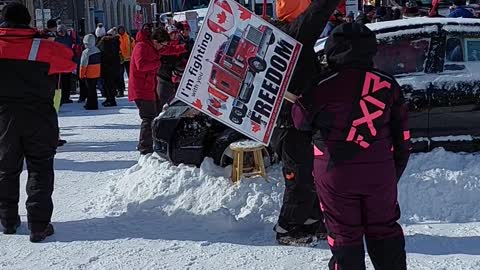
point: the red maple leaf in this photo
(198, 104)
(256, 127)
(222, 17)
(244, 13)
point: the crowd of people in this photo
(348, 125)
(406, 10)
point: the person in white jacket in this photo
(100, 31)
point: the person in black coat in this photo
(109, 45)
(300, 220)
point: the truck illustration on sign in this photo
(234, 67)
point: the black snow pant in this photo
(111, 86)
(92, 96)
(27, 132)
(300, 201)
(83, 90)
(148, 110)
(165, 91)
(66, 85)
(124, 68)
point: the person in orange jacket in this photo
(127, 43)
(28, 120)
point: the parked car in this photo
(437, 63)
(435, 60)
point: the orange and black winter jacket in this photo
(27, 66)
(90, 63)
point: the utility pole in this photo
(31, 8)
(43, 14)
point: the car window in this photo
(472, 48)
(454, 50)
(402, 55)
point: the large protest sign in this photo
(239, 70)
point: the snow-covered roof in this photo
(180, 16)
(449, 24)
(420, 21)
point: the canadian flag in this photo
(220, 18)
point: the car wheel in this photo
(257, 64)
(272, 39)
(237, 112)
(220, 152)
(235, 119)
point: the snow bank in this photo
(439, 185)
(154, 185)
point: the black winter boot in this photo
(295, 235)
(388, 254)
(10, 228)
(36, 237)
(317, 228)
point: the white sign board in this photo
(239, 70)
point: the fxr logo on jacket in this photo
(372, 84)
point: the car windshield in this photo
(402, 56)
(232, 48)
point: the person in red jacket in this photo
(28, 120)
(361, 143)
(142, 82)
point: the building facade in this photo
(110, 12)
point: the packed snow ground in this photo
(116, 211)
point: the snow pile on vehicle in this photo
(440, 186)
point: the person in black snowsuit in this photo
(109, 45)
(28, 121)
(300, 217)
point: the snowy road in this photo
(112, 213)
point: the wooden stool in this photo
(239, 149)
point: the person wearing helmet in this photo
(361, 145)
(300, 220)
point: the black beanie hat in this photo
(351, 44)
(52, 23)
(16, 13)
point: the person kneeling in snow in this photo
(357, 114)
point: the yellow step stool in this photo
(239, 150)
